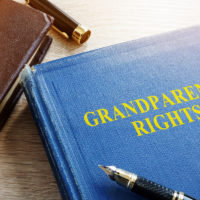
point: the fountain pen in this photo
(142, 186)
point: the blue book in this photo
(135, 105)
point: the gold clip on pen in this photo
(63, 23)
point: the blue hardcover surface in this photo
(68, 96)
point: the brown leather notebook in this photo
(22, 30)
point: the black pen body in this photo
(154, 191)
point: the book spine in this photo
(41, 119)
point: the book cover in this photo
(22, 30)
(134, 105)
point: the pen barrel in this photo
(63, 23)
(155, 191)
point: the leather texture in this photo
(21, 30)
(41, 52)
(38, 57)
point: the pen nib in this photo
(109, 170)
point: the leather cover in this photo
(38, 57)
(88, 107)
(21, 30)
